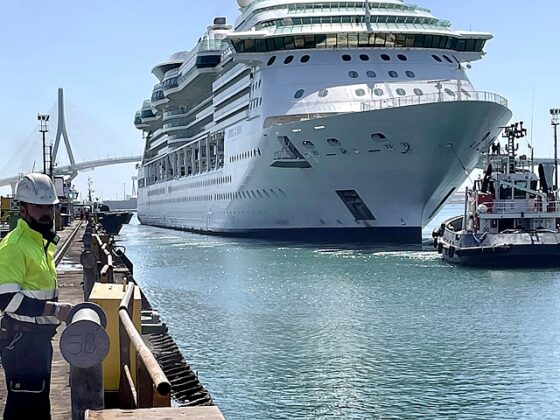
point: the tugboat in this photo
(511, 215)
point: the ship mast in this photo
(512, 133)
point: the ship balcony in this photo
(138, 121)
(459, 96)
(175, 113)
(158, 97)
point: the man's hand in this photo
(59, 310)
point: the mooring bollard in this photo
(84, 344)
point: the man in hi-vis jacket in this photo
(29, 307)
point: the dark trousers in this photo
(27, 362)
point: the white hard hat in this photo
(36, 188)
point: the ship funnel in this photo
(486, 181)
(542, 177)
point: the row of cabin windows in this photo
(364, 57)
(358, 40)
(380, 92)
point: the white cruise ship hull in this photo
(402, 163)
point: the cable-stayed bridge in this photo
(69, 171)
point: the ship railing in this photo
(463, 96)
(516, 206)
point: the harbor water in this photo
(284, 331)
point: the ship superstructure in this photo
(315, 119)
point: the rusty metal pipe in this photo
(161, 383)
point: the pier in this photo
(143, 374)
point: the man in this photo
(28, 300)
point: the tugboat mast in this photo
(512, 133)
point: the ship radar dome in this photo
(244, 3)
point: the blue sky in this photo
(101, 52)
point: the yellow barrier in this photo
(109, 297)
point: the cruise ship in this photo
(315, 120)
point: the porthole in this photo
(353, 74)
(418, 91)
(364, 57)
(378, 91)
(402, 57)
(299, 94)
(305, 59)
(385, 57)
(378, 137)
(449, 60)
(371, 74)
(437, 58)
(401, 92)
(410, 74)
(308, 144)
(323, 93)
(450, 92)
(346, 57)
(289, 59)
(333, 142)
(360, 92)
(271, 60)
(393, 74)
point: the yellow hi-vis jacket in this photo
(27, 276)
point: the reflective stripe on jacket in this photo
(27, 273)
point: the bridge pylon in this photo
(61, 132)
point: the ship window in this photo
(371, 74)
(333, 142)
(385, 57)
(435, 57)
(520, 193)
(418, 91)
(364, 57)
(346, 57)
(360, 92)
(449, 92)
(410, 74)
(447, 59)
(353, 74)
(378, 91)
(467, 94)
(323, 93)
(308, 144)
(288, 59)
(402, 57)
(401, 92)
(393, 74)
(304, 59)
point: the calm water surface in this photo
(291, 331)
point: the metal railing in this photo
(152, 387)
(520, 206)
(433, 98)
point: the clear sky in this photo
(101, 52)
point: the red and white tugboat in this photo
(511, 216)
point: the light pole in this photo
(555, 120)
(44, 129)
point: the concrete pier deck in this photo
(70, 277)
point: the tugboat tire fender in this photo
(439, 248)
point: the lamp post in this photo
(555, 120)
(44, 129)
